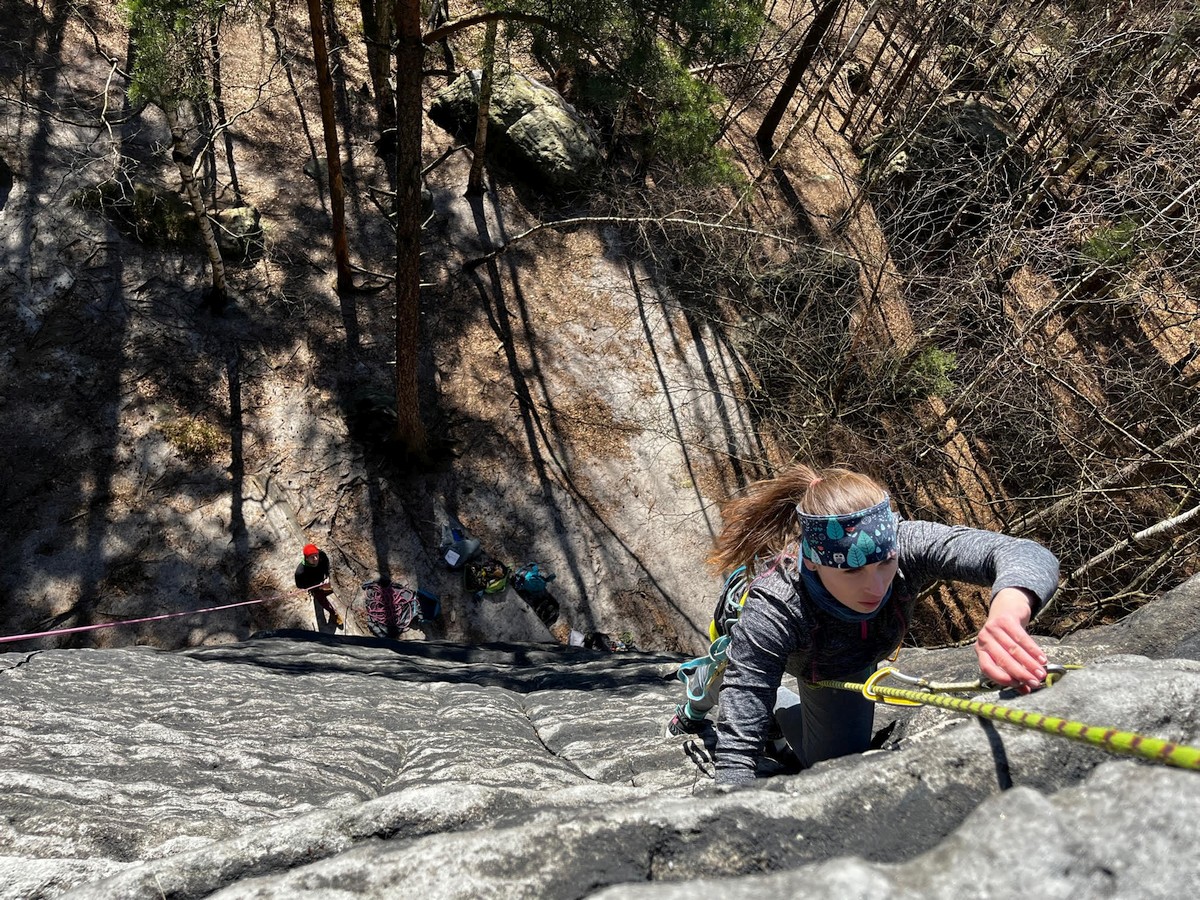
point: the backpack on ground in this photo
(530, 580)
(457, 548)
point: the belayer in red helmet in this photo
(313, 575)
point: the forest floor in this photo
(163, 460)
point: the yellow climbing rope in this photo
(1054, 671)
(1154, 749)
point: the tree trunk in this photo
(333, 153)
(912, 54)
(410, 53)
(214, 47)
(475, 180)
(184, 161)
(765, 135)
(439, 14)
(377, 35)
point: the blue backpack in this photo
(529, 580)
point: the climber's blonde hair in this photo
(764, 519)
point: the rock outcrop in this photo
(530, 127)
(304, 765)
(939, 182)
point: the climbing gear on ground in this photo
(488, 577)
(598, 640)
(530, 580)
(530, 583)
(392, 610)
(456, 547)
(1111, 739)
(682, 724)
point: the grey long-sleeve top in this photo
(781, 629)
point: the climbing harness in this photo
(191, 612)
(1111, 739)
(702, 676)
(732, 599)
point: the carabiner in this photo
(868, 689)
(1054, 671)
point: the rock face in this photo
(303, 765)
(239, 233)
(530, 127)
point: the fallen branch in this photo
(1147, 535)
(1120, 477)
(633, 220)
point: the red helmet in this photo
(311, 549)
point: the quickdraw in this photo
(1114, 740)
(1054, 672)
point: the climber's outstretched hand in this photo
(1008, 655)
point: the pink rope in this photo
(191, 612)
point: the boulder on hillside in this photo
(531, 128)
(149, 213)
(938, 183)
(239, 233)
(160, 216)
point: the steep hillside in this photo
(162, 459)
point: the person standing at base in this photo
(312, 575)
(839, 574)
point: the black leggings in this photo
(823, 723)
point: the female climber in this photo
(837, 575)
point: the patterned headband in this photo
(852, 540)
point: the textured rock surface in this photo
(529, 124)
(297, 764)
